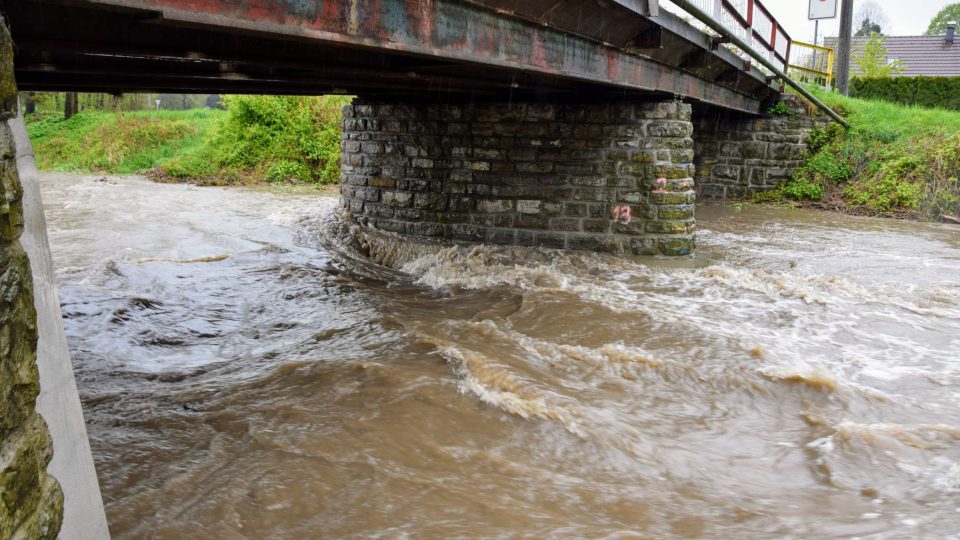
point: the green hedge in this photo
(943, 92)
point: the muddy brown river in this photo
(251, 366)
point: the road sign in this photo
(823, 9)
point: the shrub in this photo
(801, 188)
(942, 92)
(288, 170)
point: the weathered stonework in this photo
(737, 156)
(31, 501)
(554, 175)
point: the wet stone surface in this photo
(532, 174)
(31, 502)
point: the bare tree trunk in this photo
(70, 105)
(118, 104)
(29, 103)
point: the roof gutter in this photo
(692, 9)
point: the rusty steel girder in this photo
(487, 42)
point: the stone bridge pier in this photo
(611, 177)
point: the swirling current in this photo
(254, 365)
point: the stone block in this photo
(495, 205)
(479, 189)
(657, 110)
(426, 229)
(643, 246)
(529, 206)
(753, 149)
(668, 227)
(595, 225)
(501, 236)
(575, 209)
(564, 224)
(675, 247)
(672, 212)
(397, 198)
(712, 191)
(477, 165)
(462, 231)
(602, 244)
(369, 194)
(666, 128)
(682, 156)
(491, 220)
(524, 221)
(381, 182)
(726, 171)
(433, 202)
(550, 240)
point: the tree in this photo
(873, 62)
(71, 105)
(938, 25)
(870, 19)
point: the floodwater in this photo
(251, 366)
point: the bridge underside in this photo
(496, 49)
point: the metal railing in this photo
(714, 22)
(752, 23)
(812, 63)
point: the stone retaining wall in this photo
(738, 155)
(574, 176)
(31, 501)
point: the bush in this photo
(932, 92)
(260, 137)
(281, 137)
(801, 188)
(288, 170)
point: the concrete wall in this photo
(739, 155)
(48, 483)
(555, 175)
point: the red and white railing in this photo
(752, 22)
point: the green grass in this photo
(894, 160)
(272, 138)
(901, 121)
(131, 143)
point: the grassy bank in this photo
(895, 161)
(110, 143)
(257, 138)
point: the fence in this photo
(752, 22)
(812, 63)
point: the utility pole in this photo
(843, 47)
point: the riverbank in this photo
(896, 161)
(257, 139)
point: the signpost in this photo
(821, 9)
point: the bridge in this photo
(561, 123)
(494, 48)
(577, 124)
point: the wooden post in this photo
(843, 47)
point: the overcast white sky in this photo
(907, 17)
